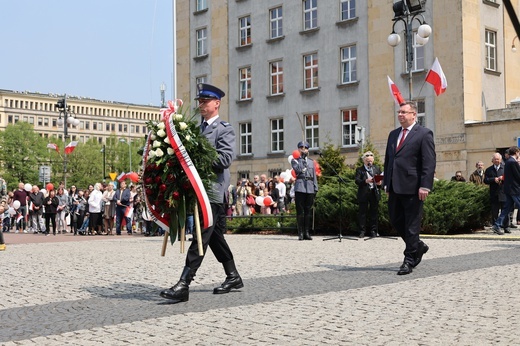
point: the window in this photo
(348, 64)
(201, 42)
(40, 121)
(312, 132)
(87, 125)
(418, 54)
(201, 5)
(245, 83)
(421, 112)
(310, 14)
(107, 127)
(310, 66)
(276, 135)
(491, 50)
(244, 25)
(348, 127)
(347, 9)
(276, 22)
(201, 79)
(246, 137)
(276, 78)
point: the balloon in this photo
(293, 173)
(49, 187)
(317, 168)
(268, 200)
(134, 177)
(16, 204)
(44, 192)
(290, 158)
(284, 176)
(259, 200)
(28, 187)
(296, 154)
(12, 211)
(281, 179)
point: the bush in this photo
(273, 223)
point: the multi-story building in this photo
(97, 119)
(317, 70)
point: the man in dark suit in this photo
(511, 188)
(408, 179)
(222, 136)
(368, 195)
(494, 177)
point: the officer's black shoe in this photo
(233, 279)
(307, 236)
(300, 235)
(362, 234)
(180, 292)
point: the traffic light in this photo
(61, 104)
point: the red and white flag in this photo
(396, 94)
(121, 177)
(53, 146)
(437, 78)
(70, 147)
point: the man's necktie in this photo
(402, 139)
(203, 126)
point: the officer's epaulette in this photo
(225, 124)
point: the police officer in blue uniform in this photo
(305, 189)
(222, 136)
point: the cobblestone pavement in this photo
(316, 292)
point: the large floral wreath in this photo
(177, 170)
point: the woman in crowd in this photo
(275, 195)
(243, 191)
(109, 210)
(63, 209)
(94, 209)
(51, 203)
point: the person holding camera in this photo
(368, 195)
(305, 189)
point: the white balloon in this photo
(260, 200)
(11, 211)
(16, 204)
(290, 158)
(28, 187)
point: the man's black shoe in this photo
(406, 268)
(233, 282)
(507, 230)
(422, 250)
(512, 226)
(180, 292)
(362, 234)
(496, 230)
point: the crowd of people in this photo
(100, 209)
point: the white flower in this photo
(170, 151)
(161, 126)
(161, 133)
(178, 116)
(153, 137)
(156, 144)
(159, 152)
(167, 140)
(183, 125)
(188, 137)
(151, 154)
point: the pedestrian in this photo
(122, 198)
(458, 177)
(222, 136)
(94, 209)
(408, 179)
(511, 189)
(36, 197)
(494, 177)
(21, 196)
(2, 242)
(63, 209)
(477, 177)
(368, 195)
(51, 203)
(305, 189)
(109, 208)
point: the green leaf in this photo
(174, 227)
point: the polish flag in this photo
(437, 78)
(121, 177)
(53, 146)
(70, 147)
(396, 94)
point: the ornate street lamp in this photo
(66, 118)
(406, 12)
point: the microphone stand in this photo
(340, 182)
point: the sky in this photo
(113, 50)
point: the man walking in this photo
(408, 178)
(222, 136)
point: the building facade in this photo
(317, 70)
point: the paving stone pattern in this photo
(105, 292)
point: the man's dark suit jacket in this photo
(496, 190)
(363, 188)
(413, 166)
(512, 177)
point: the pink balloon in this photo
(268, 200)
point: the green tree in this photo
(369, 147)
(23, 150)
(331, 161)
